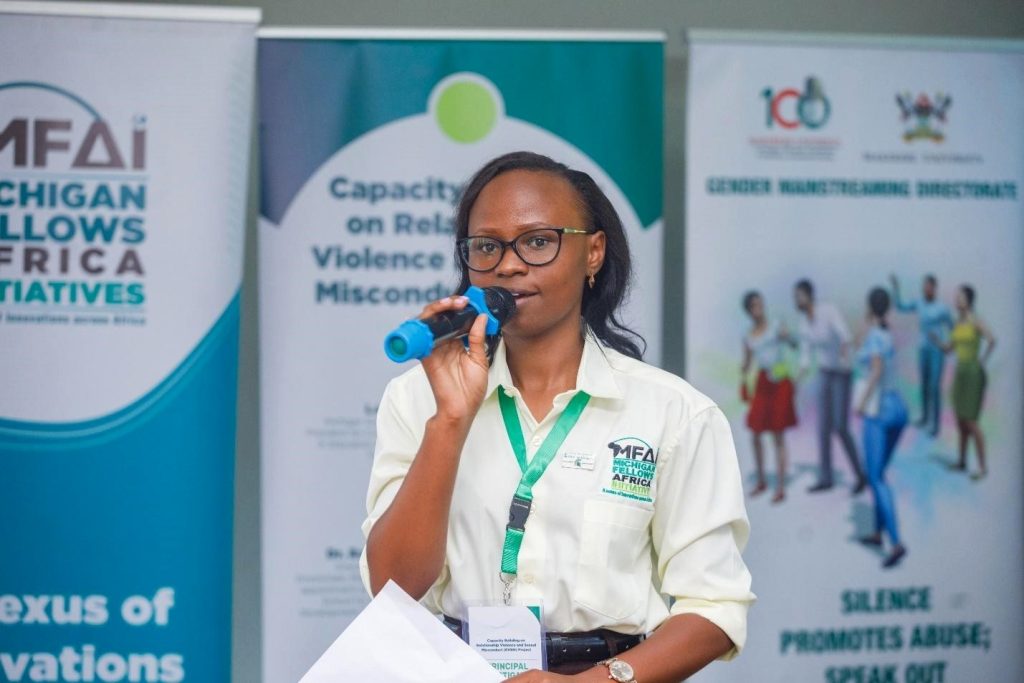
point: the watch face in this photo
(621, 671)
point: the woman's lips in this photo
(521, 296)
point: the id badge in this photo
(510, 638)
(578, 461)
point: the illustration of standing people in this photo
(885, 416)
(822, 333)
(771, 406)
(936, 321)
(969, 379)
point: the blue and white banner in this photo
(367, 139)
(124, 138)
(887, 542)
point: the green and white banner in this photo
(367, 140)
(818, 169)
(124, 145)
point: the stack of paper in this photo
(396, 640)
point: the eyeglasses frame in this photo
(505, 245)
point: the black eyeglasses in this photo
(535, 247)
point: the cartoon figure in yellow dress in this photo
(970, 378)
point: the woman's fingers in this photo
(477, 336)
(449, 303)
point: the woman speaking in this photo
(630, 516)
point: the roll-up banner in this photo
(367, 139)
(822, 172)
(124, 140)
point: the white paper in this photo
(396, 640)
(507, 637)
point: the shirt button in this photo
(535, 441)
(527, 578)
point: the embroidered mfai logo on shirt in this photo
(633, 464)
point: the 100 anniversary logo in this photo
(791, 109)
(795, 119)
(73, 196)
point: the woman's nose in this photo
(510, 263)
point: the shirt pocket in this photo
(614, 570)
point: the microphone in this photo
(417, 338)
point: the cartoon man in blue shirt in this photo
(933, 317)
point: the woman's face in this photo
(547, 296)
(960, 300)
(802, 299)
(756, 308)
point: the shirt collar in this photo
(595, 376)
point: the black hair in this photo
(601, 302)
(748, 298)
(969, 294)
(878, 303)
(930, 279)
(805, 286)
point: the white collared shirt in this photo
(603, 548)
(824, 337)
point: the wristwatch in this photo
(619, 671)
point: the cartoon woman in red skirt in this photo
(771, 406)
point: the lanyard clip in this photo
(508, 581)
(518, 511)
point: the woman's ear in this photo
(595, 251)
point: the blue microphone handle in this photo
(417, 338)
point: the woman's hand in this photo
(987, 335)
(458, 377)
(946, 347)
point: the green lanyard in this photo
(519, 510)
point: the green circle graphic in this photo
(466, 111)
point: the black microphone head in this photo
(500, 303)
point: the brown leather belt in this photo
(565, 648)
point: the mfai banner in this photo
(124, 140)
(855, 263)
